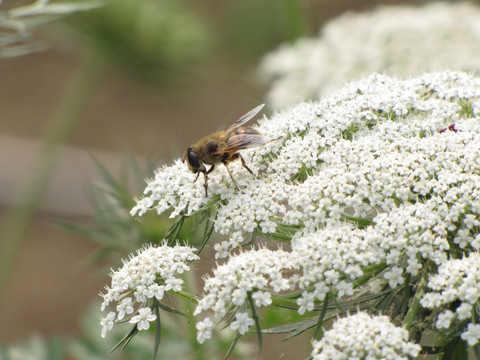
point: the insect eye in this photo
(193, 160)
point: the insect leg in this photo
(211, 169)
(245, 165)
(231, 177)
(206, 182)
(196, 177)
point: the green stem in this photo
(197, 348)
(318, 333)
(415, 304)
(63, 121)
(294, 19)
(370, 272)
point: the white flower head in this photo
(437, 36)
(457, 281)
(381, 148)
(149, 273)
(362, 336)
(255, 273)
(384, 172)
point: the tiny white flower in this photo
(143, 318)
(204, 329)
(124, 307)
(242, 323)
(107, 323)
(239, 296)
(464, 311)
(444, 319)
(394, 276)
(262, 298)
(306, 302)
(156, 290)
(472, 335)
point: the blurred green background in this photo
(156, 75)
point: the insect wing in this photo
(243, 141)
(245, 118)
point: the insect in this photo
(223, 146)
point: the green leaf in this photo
(256, 318)
(456, 350)
(232, 346)
(169, 309)
(126, 339)
(209, 227)
(294, 329)
(476, 350)
(187, 296)
(104, 173)
(172, 233)
(158, 330)
(318, 334)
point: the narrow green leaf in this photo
(209, 227)
(105, 174)
(232, 346)
(169, 309)
(457, 350)
(126, 339)
(288, 328)
(6, 40)
(476, 350)
(158, 330)
(173, 232)
(300, 331)
(256, 318)
(187, 296)
(362, 222)
(318, 334)
(123, 173)
(213, 201)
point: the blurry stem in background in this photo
(294, 19)
(197, 348)
(16, 222)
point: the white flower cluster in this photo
(380, 148)
(401, 40)
(457, 281)
(401, 156)
(253, 274)
(362, 336)
(149, 274)
(332, 258)
(173, 188)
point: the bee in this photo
(223, 147)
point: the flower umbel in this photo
(437, 36)
(362, 336)
(145, 276)
(373, 196)
(256, 273)
(457, 281)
